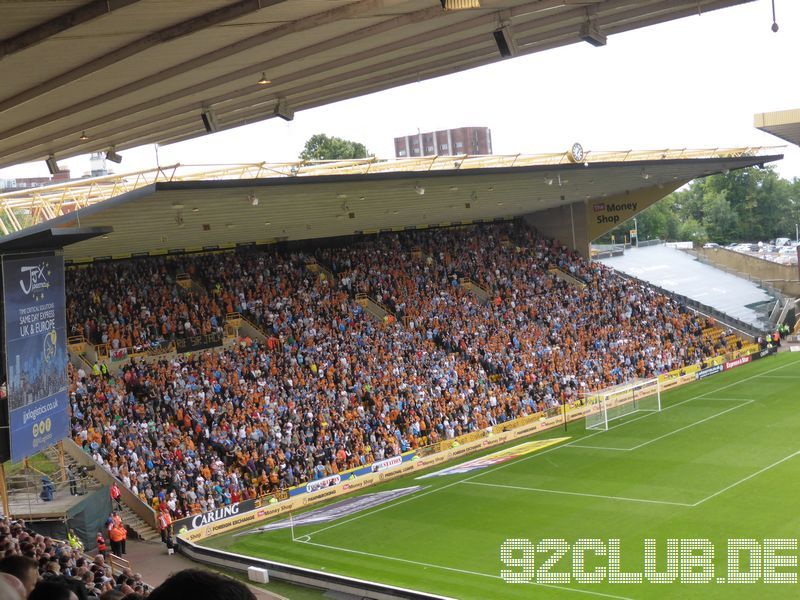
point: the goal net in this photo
(606, 405)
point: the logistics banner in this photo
(332, 480)
(36, 352)
(354, 482)
(764, 352)
(707, 372)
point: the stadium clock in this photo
(576, 153)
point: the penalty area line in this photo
(748, 478)
(456, 570)
(599, 448)
(582, 494)
(690, 425)
(544, 452)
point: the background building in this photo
(17, 183)
(464, 140)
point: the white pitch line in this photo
(599, 448)
(535, 454)
(744, 402)
(730, 399)
(749, 477)
(767, 372)
(661, 437)
(584, 494)
(464, 571)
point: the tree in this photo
(721, 223)
(323, 147)
(692, 231)
(745, 205)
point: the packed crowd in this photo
(329, 388)
(36, 567)
(136, 304)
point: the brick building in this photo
(446, 142)
(21, 183)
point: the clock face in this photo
(576, 152)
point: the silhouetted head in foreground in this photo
(201, 585)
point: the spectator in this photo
(116, 495)
(73, 482)
(9, 591)
(329, 388)
(23, 568)
(201, 585)
(100, 541)
(15, 584)
(53, 589)
(165, 525)
(116, 533)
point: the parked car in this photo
(711, 245)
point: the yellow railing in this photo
(324, 273)
(28, 207)
(569, 278)
(184, 280)
(233, 321)
(468, 282)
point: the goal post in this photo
(609, 404)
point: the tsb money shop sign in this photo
(604, 214)
(613, 213)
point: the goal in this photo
(606, 405)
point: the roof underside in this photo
(50, 239)
(191, 215)
(784, 124)
(131, 72)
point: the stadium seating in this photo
(135, 304)
(57, 560)
(484, 324)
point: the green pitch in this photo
(721, 461)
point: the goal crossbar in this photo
(615, 402)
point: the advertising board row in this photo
(223, 520)
(253, 511)
(734, 363)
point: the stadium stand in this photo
(326, 386)
(28, 555)
(136, 304)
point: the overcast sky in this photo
(691, 83)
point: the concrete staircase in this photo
(320, 270)
(137, 528)
(564, 276)
(187, 284)
(374, 308)
(478, 291)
